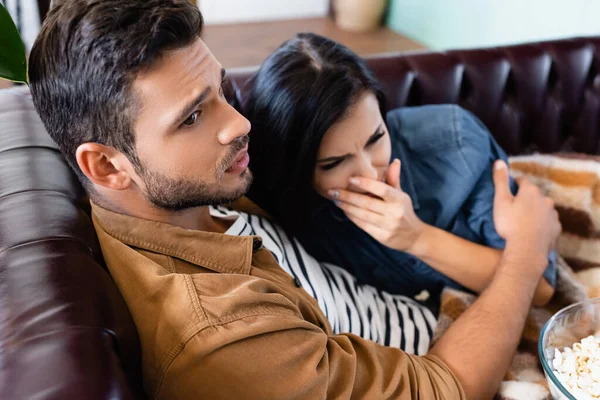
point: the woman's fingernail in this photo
(333, 193)
(337, 203)
(355, 181)
(499, 165)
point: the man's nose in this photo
(236, 126)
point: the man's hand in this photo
(528, 220)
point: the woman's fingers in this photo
(379, 189)
(359, 200)
(368, 216)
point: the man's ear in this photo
(104, 166)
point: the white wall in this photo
(230, 11)
(214, 11)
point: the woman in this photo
(320, 153)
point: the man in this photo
(133, 97)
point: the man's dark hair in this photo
(85, 59)
(301, 90)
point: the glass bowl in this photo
(566, 327)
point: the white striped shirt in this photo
(390, 320)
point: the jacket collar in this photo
(226, 253)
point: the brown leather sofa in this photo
(65, 332)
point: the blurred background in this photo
(243, 32)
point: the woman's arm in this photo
(470, 264)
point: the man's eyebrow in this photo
(191, 107)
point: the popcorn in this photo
(578, 368)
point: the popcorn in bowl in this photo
(578, 368)
(577, 359)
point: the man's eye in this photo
(192, 119)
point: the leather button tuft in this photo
(297, 282)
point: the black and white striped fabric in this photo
(390, 320)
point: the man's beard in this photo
(180, 194)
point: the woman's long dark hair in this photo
(301, 90)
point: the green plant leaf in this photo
(13, 62)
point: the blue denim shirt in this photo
(447, 159)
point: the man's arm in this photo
(480, 345)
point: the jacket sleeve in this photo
(480, 151)
(279, 356)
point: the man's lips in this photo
(240, 163)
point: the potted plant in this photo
(13, 62)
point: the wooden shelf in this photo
(4, 84)
(248, 44)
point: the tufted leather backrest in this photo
(534, 97)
